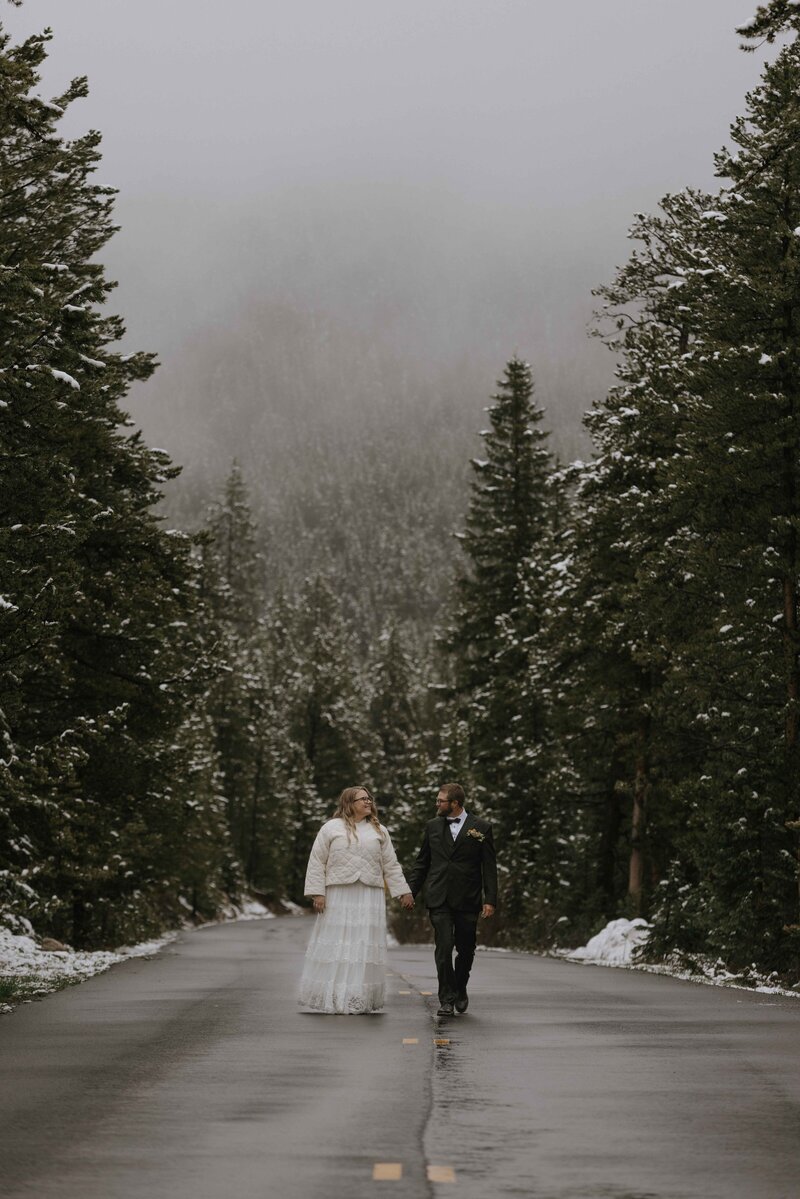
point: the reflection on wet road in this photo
(577, 1082)
(194, 1076)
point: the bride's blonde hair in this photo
(344, 810)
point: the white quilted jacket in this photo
(368, 860)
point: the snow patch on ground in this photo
(42, 971)
(45, 970)
(619, 944)
(251, 909)
(615, 944)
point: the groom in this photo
(457, 860)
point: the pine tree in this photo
(325, 703)
(234, 586)
(395, 719)
(737, 474)
(403, 731)
(706, 448)
(331, 719)
(770, 21)
(623, 528)
(508, 510)
(615, 751)
(508, 525)
(99, 662)
(235, 567)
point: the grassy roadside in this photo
(22, 988)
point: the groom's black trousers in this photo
(459, 931)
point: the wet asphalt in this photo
(193, 1075)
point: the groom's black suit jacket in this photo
(457, 872)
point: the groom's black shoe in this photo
(445, 1009)
(462, 1003)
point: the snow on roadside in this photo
(619, 942)
(40, 971)
(251, 909)
(615, 944)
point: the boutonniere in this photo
(473, 832)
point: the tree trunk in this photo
(792, 676)
(607, 860)
(252, 854)
(792, 695)
(638, 819)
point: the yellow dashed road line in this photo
(393, 1171)
(441, 1174)
(387, 1172)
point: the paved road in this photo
(193, 1076)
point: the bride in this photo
(351, 861)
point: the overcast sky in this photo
(469, 167)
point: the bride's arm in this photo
(317, 862)
(392, 873)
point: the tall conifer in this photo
(99, 660)
(509, 513)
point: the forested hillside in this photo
(354, 449)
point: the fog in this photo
(339, 215)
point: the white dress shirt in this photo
(455, 829)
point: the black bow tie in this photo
(453, 819)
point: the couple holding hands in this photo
(351, 863)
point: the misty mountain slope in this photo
(354, 448)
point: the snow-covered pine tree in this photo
(508, 509)
(402, 724)
(234, 589)
(36, 494)
(509, 520)
(714, 594)
(770, 21)
(619, 647)
(98, 649)
(596, 759)
(331, 720)
(234, 564)
(397, 722)
(738, 474)
(328, 712)
(285, 805)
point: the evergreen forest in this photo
(604, 652)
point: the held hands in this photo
(488, 910)
(406, 901)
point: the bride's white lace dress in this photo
(345, 965)
(344, 970)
